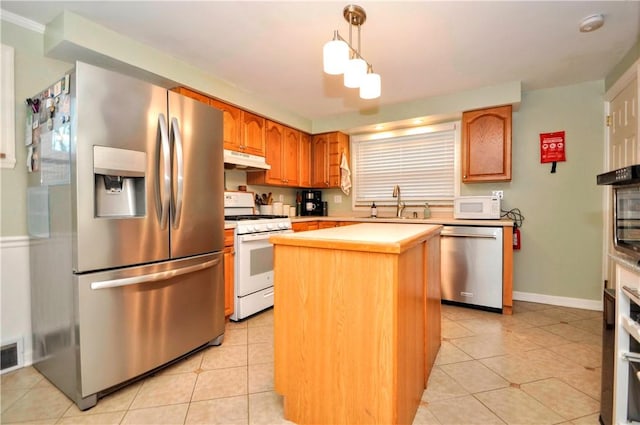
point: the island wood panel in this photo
(432, 306)
(355, 351)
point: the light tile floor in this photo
(539, 366)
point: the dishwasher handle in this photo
(468, 235)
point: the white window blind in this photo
(420, 160)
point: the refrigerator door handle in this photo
(165, 179)
(153, 277)
(177, 138)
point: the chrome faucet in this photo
(399, 204)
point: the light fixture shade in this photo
(355, 73)
(335, 55)
(370, 87)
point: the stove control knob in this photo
(270, 226)
(251, 229)
(282, 225)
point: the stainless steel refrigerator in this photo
(125, 211)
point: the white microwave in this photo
(477, 207)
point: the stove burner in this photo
(251, 217)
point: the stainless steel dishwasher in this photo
(472, 266)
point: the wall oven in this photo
(625, 183)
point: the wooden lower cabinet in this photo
(229, 271)
(303, 226)
(327, 224)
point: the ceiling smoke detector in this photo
(591, 23)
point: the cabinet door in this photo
(304, 164)
(327, 224)
(232, 119)
(486, 145)
(192, 94)
(274, 135)
(290, 156)
(338, 145)
(253, 127)
(300, 226)
(320, 160)
(229, 270)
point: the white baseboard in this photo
(15, 323)
(559, 301)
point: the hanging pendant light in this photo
(354, 73)
(370, 87)
(339, 57)
(335, 55)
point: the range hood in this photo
(244, 161)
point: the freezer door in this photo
(136, 319)
(197, 193)
(118, 164)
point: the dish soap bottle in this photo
(427, 211)
(374, 210)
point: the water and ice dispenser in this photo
(119, 176)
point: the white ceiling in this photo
(420, 48)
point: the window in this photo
(422, 161)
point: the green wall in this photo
(561, 251)
(562, 241)
(33, 72)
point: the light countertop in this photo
(450, 221)
(371, 237)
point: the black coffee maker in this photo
(311, 202)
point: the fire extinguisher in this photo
(516, 237)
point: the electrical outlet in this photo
(337, 199)
(281, 198)
(498, 193)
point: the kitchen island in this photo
(356, 321)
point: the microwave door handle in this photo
(153, 277)
(177, 138)
(164, 180)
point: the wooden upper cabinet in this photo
(486, 145)
(290, 156)
(192, 94)
(326, 158)
(232, 119)
(320, 161)
(253, 127)
(282, 154)
(242, 130)
(338, 145)
(304, 164)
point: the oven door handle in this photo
(260, 236)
